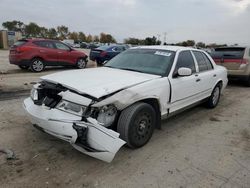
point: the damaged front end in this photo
(70, 116)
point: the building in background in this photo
(8, 38)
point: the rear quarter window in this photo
(20, 43)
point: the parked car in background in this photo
(36, 54)
(236, 60)
(105, 53)
(83, 45)
(92, 46)
(98, 110)
(76, 45)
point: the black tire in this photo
(24, 67)
(248, 82)
(81, 63)
(37, 65)
(136, 124)
(214, 99)
(99, 63)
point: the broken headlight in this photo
(71, 107)
(34, 94)
(107, 115)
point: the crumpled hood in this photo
(98, 82)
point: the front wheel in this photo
(136, 124)
(37, 65)
(214, 98)
(81, 63)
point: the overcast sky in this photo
(220, 21)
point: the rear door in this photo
(229, 57)
(206, 73)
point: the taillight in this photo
(23, 49)
(244, 61)
(103, 54)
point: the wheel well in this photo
(220, 83)
(37, 57)
(155, 104)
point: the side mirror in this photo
(184, 71)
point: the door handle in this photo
(198, 80)
(60, 52)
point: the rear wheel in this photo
(136, 124)
(37, 65)
(99, 63)
(248, 82)
(213, 100)
(24, 67)
(81, 63)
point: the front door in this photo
(184, 89)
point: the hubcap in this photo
(216, 95)
(37, 65)
(142, 128)
(81, 63)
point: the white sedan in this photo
(100, 109)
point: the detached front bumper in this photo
(88, 137)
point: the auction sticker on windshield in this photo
(163, 53)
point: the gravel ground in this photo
(197, 148)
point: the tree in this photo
(82, 37)
(74, 36)
(103, 38)
(52, 34)
(14, 26)
(132, 41)
(107, 38)
(89, 38)
(96, 38)
(43, 32)
(32, 30)
(151, 41)
(110, 38)
(201, 45)
(190, 42)
(63, 32)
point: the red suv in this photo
(38, 53)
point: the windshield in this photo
(151, 61)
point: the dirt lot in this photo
(198, 148)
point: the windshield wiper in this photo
(131, 70)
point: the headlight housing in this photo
(107, 115)
(71, 107)
(34, 94)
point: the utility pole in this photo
(165, 37)
(158, 37)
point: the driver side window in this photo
(185, 59)
(61, 46)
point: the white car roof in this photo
(171, 48)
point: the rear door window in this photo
(208, 62)
(228, 53)
(203, 62)
(44, 44)
(185, 59)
